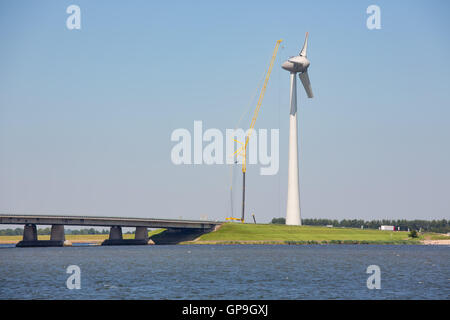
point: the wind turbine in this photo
(298, 64)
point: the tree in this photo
(278, 221)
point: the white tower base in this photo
(293, 195)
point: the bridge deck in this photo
(106, 221)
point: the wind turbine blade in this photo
(305, 46)
(304, 78)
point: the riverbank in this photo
(237, 233)
(273, 234)
(436, 242)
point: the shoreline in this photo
(269, 242)
(285, 243)
(436, 242)
(312, 242)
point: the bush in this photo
(413, 234)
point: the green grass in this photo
(272, 233)
(433, 236)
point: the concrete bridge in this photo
(177, 230)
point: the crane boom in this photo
(243, 149)
(258, 107)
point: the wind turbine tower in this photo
(298, 64)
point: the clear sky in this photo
(86, 115)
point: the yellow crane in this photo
(243, 149)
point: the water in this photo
(226, 272)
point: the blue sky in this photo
(86, 115)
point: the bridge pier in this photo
(30, 238)
(57, 233)
(115, 233)
(30, 232)
(116, 238)
(141, 233)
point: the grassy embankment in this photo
(235, 233)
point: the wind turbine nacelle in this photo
(296, 64)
